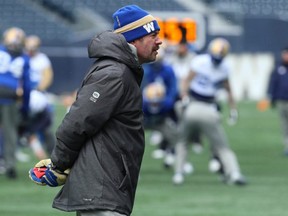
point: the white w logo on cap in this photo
(149, 27)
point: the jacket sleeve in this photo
(273, 82)
(95, 103)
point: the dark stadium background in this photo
(66, 26)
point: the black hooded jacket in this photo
(101, 138)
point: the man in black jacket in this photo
(278, 93)
(100, 142)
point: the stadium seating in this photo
(31, 19)
(56, 20)
(252, 8)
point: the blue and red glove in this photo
(44, 173)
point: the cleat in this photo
(240, 182)
(158, 154)
(156, 138)
(188, 168)
(11, 173)
(169, 159)
(214, 165)
(197, 148)
(286, 152)
(178, 179)
(235, 179)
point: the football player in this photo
(14, 76)
(38, 129)
(180, 62)
(159, 96)
(209, 72)
(277, 91)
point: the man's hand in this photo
(233, 117)
(44, 173)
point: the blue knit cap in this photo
(134, 22)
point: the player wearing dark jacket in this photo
(278, 93)
(278, 86)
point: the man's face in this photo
(182, 50)
(284, 55)
(147, 47)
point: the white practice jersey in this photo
(181, 67)
(38, 101)
(208, 76)
(38, 63)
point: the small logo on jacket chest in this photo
(95, 96)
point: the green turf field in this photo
(256, 140)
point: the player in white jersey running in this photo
(209, 72)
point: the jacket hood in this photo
(112, 45)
